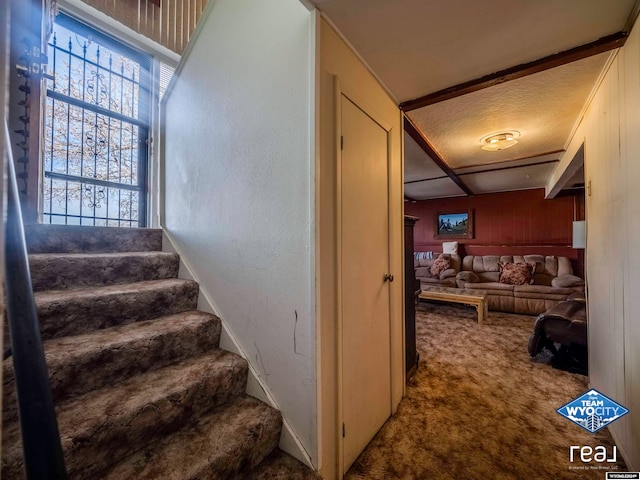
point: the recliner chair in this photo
(563, 331)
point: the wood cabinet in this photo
(411, 290)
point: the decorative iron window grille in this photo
(97, 127)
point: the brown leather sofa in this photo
(553, 282)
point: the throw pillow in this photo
(450, 247)
(440, 265)
(516, 273)
(567, 281)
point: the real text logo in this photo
(592, 411)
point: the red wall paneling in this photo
(507, 223)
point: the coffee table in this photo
(475, 298)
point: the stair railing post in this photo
(43, 457)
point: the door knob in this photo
(388, 277)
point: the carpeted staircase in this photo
(142, 390)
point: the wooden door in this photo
(364, 257)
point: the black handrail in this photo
(43, 457)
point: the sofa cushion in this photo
(424, 272)
(467, 277)
(447, 282)
(532, 306)
(492, 288)
(517, 273)
(442, 263)
(501, 303)
(483, 263)
(566, 281)
(541, 291)
(547, 265)
(449, 272)
(542, 279)
(489, 276)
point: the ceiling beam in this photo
(425, 179)
(510, 167)
(462, 170)
(602, 45)
(635, 11)
(414, 133)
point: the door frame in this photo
(352, 96)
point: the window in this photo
(166, 73)
(96, 129)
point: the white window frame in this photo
(159, 53)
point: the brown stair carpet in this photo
(55, 271)
(230, 438)
(141, 388)
(117, 353)
(76, 239)
(76, 311)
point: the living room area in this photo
(527, 165)
(479, 404)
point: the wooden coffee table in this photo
(475, 298)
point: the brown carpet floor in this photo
(479, 408)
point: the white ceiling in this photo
(439, 188)
(543, 107)
(422, 46)
(417, 47)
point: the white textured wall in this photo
(238, 190)
(609, 131)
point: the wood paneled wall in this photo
(171, 24)
(507, 223)
(609, 132)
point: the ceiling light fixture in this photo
(499, 141)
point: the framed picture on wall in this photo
(454, 224)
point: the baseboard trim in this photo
(621, 449)
(289, 440)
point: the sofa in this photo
(447, 278)
(553, 281)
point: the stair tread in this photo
(102, 424)
(75, 238)
(81, 310)
(119, 352)
(225, 441)
(145, 254)
(51, 296)
(279, 466)
(60, 349)
(63, 271)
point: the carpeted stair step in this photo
(279, 466)
(103, 426)
(228, 440)
(57, 271)
(77, 311)
(42, 238)
(82, 363)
